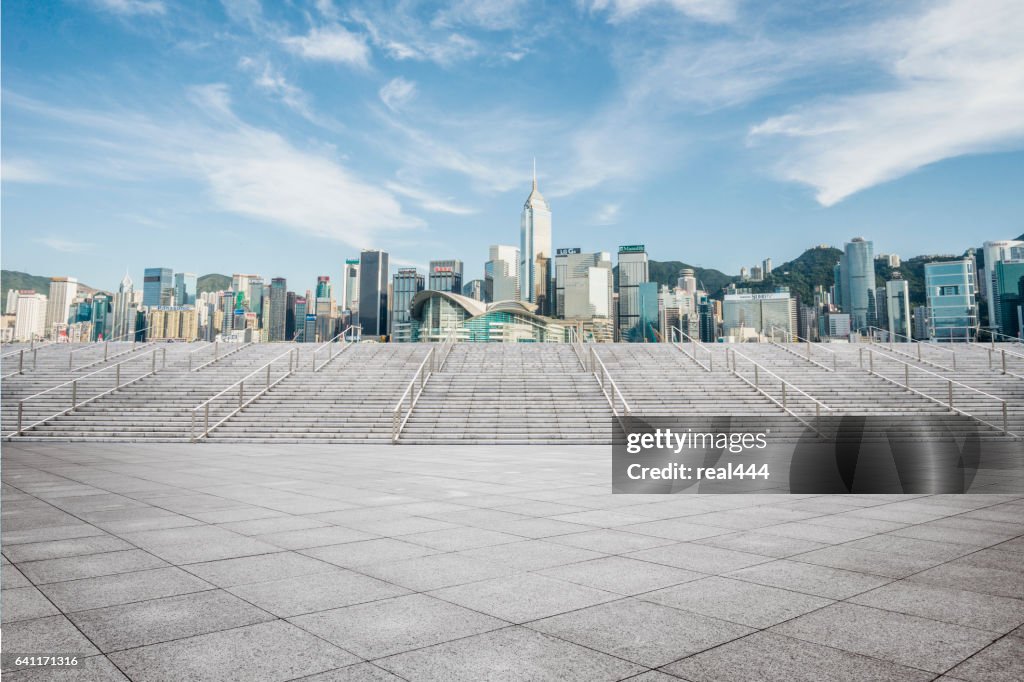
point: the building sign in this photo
(567, 252)
(756, 297)
(407, 272)
(632, 248)
(351, 261)
(310, 317)
(442, 268)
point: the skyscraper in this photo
(154, 282)
(323, 286)
(857, 266)
(29, 316)
(583, 284)
(351, 283)
(952, 308)
(501, 274)
(446, 275)
(535, 249)
(1009, 294)
(897, 296)
(123, 326)
(373, 292)
(1009, 250)
(276, 324)
(58, 305)
(632, 273)
(405, 284)
(185, 285)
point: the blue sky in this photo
(281, 137)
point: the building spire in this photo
(535, 174)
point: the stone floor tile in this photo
(315, 592)
(258, 569)
(823, 581)
(1003, 661)
(621, 575)
(121, 588)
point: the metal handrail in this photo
(21, 360)
(422, 374)
(693, 351)
(993, 335)
(949, 382)
(330, 349)
(445, 348)
(808, 358)
(74, 388)
(756, 384)
(604, 379)
(216, 354)
(1002, 364)
(131, 333)
(106, 352)
(293, 364)
(919, 345)
(577, 346)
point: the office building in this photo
(300, 319)
(326, 317)
(1008, 293)
(240, 283)
(124, 313)
(687, 281)
(838, 325)
(535, 250)
(474, 289)
(501, 274)
(766, 267)
(100, 317)
(289, 317)
(746, 315)
(30, 311)
(1005, 251)
(185, 286)
(632, 272)
(277, 314)
(58, 305)
(373, 292)
(857, 269)
(350, 282)
(950, 292)
(897, 297)
(323, 286)
(583, 285)
(446, 275)
(155, 282)
(921, 323)
(405, 285)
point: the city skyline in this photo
(331, 127)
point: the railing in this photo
(787, 388)
(920, 358)
(106, 351)
(74, 388)
(695, 344)
(809, 346)
(608, 386)
(217, 355)
(400, 415)
(350, 331)
(950, 383)
(21, 360)
(445, 348)
(994, 336)
(1000, 365)
(244, 399)
(577, 346)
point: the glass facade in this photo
(857, 267)
(373, 293)
(277, 314)
(446, 275)
(185, 285)
(1009, 294)
(633, 270)
(897, 296)
(434, 315)
(405, 285)
(154, 282)
(952, 308)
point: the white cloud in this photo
(957, 88)
(131, 7)
(607, 214)
(270, 80)
(64, 245)
(24, 170)
(397, 92)
(402, 37)
(430, 201)
(245, 170)
(332, 44)
(711, 11)
(491, 15)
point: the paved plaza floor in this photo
(329, 563)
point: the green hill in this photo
(813, 267)
(213, 282)
(667, 272)
(12, 279)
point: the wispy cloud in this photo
(957, 75)
(712, 11)
(24, 170)
(397, 92)
(131, 7)
(430, 201)
(607, 214)
(64, 245)
(333, 43)
(270, 80)
(403, 37)
(491, 15)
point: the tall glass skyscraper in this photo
(857, 267)
(373, 292)
(501, 274)
(185, 285)
(276, 325)
(633, 271)
(154, 282)
(535, 249)
(405, 284)
(952, 308)
(350, 300)
(897, 297)
(446, 275)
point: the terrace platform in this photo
(247, 561)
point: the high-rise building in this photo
(405, 284)
(289, 317)
(30, 316)
(952, 307)
(535, 250)
(350, 299)
(857, 266)
(1008, 250)
(155, 282)
(323, 286)
(501, 274)
(123, 325)
(101, 317)
(185, 286)
(474, 289)
(766, 267)
(921, 323)
(687, 281)
(632, 272)
(749, 315)
(1008, 285)
(446, 275)
(897, 295)
(373, 292)
(277, 315)
(326, 317)
(583, 284)
(300, 319)
(240, 283)
(58, 306)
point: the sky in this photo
(280, 138)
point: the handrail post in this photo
(1004, 359)
(154, 364)
(35, 358)
(74, 393)
(906, 375)
(21, 413)
(21, 361)
(756, 379)
(951, 396)
(117, 375)
(871, 361)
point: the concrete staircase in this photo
(348, 400)
(511, 393)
